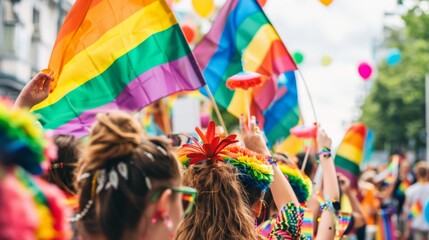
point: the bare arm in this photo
(280, 187)
(358, 216)
(326, 229)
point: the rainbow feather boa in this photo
(21, 140)
(301, 183)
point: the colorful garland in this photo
(25, 149)
(254, 168)
(301, 183)
(21, 140)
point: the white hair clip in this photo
(161, 149)
(123, 170)
(113, 180)
(83, 176)
(150, 156)
(101, 179)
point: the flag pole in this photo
(216, 108)
(427, 115)
(308, 94)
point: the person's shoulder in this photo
(414, 187)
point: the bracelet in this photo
(325, 152)
(330, 205)
(272, 161)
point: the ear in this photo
(256, 208)
(163, 205)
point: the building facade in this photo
(28, 30)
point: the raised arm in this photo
(331, 192)
(255, 141)
(358, 215)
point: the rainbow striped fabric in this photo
(416, 210)
(242, 38)
(403, 186)
(350, 152)
(343, 221)
(385, 227)
(113, 54)
(307, 224)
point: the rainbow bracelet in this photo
(325, 152)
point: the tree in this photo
(395, 107)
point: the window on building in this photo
(10, 22)
(36, 25)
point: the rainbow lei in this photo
(301, 183)
(20, 139)
(253, 167)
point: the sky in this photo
(348, 31)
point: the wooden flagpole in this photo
(216, 108)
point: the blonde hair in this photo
(116, 138)
(220, 211)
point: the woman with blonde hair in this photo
(129, 188)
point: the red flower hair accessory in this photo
(212, 147)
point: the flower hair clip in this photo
(212, 147)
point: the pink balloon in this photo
(365, 70)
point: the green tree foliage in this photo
(395, 107)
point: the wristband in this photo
(330, 205)
(325, 152)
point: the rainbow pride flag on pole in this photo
(350, 152)
(112, 54)
(242, 38)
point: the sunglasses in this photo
(188, 197)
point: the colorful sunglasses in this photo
(188, 197)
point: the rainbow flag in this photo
(403, 186)
(350, 152)
(343, 221)
(385, 227)
(416, 210)
(242, 37)
(369, 148)
(112, 54)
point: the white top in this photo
(418, 192)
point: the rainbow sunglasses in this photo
(188, 197)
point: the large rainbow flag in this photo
(350, 152)
(242, 38)
(112, 54)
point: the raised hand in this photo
(323, 140)
(36, 90)
(252, 137)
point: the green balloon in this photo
(298, 57)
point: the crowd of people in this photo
(120, 183)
